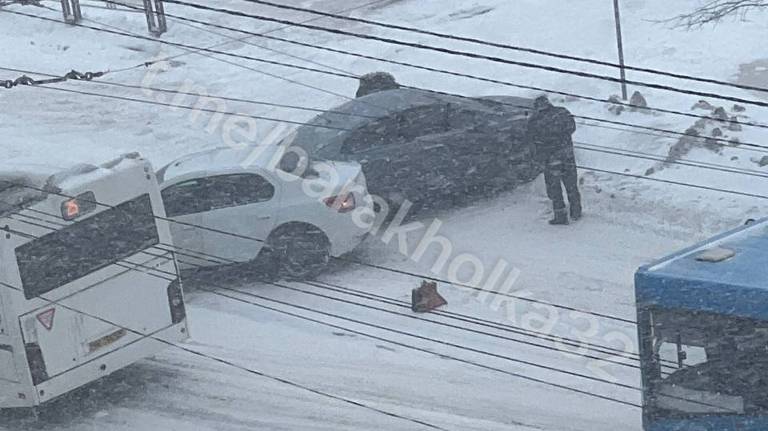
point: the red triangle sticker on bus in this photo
(46, 318)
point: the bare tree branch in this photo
(716, 10)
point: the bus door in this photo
(7, 365)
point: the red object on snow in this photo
(426, 298)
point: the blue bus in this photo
(703, 335)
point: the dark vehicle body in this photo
(427, 147)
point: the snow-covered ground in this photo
(588, 265)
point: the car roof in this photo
(382, 104)
(729, 279)
(217, 160)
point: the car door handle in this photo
(432, 147)
(263, 217)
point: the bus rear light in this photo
(342, 203)
(36, 363)
(176, 302)
(83, 204)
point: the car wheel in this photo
(299, 251)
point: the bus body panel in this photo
(85, 327)
(141, 348)
(702, 322)
(712, 423)
(138, 302)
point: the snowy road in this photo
(180, 391)
(588, 265)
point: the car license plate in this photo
(106, 340)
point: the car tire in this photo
(298, 251)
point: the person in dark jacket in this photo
(550, 129)
(375, 82)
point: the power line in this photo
(243, 39)
(367, 335)
(449, 325)
(176, 44)
(584, 146)
(153, 336)
(251, 34)
(471, 54)
(363, 323)
(203, 95)
(666, 160)
(511, 47)
(678, 183)
(205, 52)
(718, 141)
(366, 295)
(405, 345)
(371, 296)
(379, 267)
(192, 108)
(7, 229)
(599, 349)
(428, 339)
(480, 289)
(458, 74)
(201, 51)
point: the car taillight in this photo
(36, 363)
(80, 205)
(176, 302)
(341, 203)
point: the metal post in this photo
(621, 49)
(71, 10)
(155, 16)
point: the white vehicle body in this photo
(82, 281)
(268, 200)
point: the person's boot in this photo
(575, 210)
(561, 217)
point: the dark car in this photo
(426, 147)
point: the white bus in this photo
(85, 270)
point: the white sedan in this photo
(249, 211)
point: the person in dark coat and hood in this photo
(377, 81)
(550, 129)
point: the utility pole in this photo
(71, 10)
(155, 16)
(621, 49)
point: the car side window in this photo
(188, 197)
(373, 135)
(222, 191)
(422, 121)
(226, 191)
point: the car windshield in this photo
(709, 364)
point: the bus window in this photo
(69, 254)
(708, 364)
